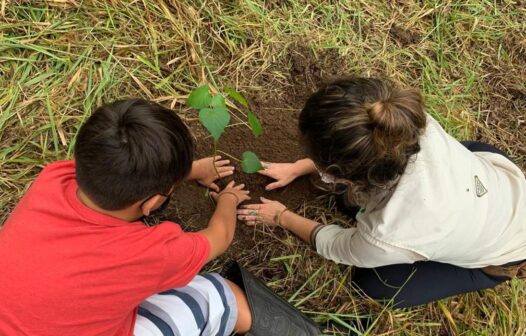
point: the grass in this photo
(59, 59)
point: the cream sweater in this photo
(450, 205)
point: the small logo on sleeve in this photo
(479, 187)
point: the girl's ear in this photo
(151, 204)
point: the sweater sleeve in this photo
(352, 247)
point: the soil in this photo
(403, 36)
(280, 143)
(308, 71)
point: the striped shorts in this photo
(206, 306)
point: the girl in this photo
(436, 217)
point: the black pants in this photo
(406, 285)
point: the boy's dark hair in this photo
(130, 150)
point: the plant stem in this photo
(213, 160)
(230, 156)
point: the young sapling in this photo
(215, 117)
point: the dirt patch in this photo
(279, 144)
(403, 36)
(308, 70)
(278, 109)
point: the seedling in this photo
(215, 117)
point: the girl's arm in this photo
(273, 213)
(300, 226)
(333, 242)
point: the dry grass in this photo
(59, 59)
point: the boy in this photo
(76, 260)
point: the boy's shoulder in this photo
(57, 169)
(59, 166)
(54, 174)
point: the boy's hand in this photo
(267, 212)
(237, 193)
(204, 173)
(222, 225)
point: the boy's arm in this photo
(206, 171)
(222, 225)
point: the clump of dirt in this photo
(402, 36)
(308, 71)
(278, 112)
(305, 72)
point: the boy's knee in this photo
(244, 318)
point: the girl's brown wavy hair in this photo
(364, 130)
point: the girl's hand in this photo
(236, 192)
(205, 174)
(265, 213)
(283, 173)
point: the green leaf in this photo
(218, 100)
(236, 96)
(255, 125)
(215, 120)
(251, 163)
(200, 97)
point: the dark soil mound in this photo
(280, 143)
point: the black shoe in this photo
(271, 315)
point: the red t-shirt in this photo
(68, 270)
